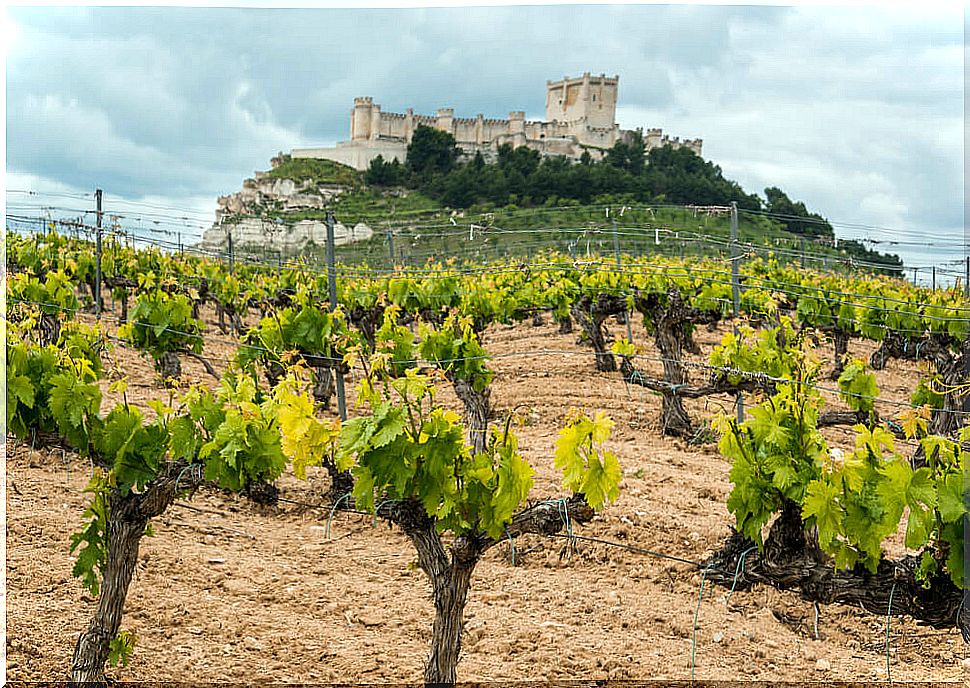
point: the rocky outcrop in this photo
(280, 195)
(255, 233)
(252, 216)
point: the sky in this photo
(857, 111)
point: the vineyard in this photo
(550, 465)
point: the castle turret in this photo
(360, 118)
(445, 119)
(517, 122)
(375, 122)
(409, 124)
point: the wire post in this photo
(736, 288)
(97, 253)
(966, 279)
(332, 279)
(616, 251)
(934, 278)
(232, 259)
(802, 250)
(390, 245)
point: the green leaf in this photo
(121, 648)
(950, 491)
(20, 388)
(893, 489)
(390, 428)
(184, 439)
(918, 527)
(822, 505)
(603, 480)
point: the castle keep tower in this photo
(588, 98)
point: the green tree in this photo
(795, 215)
(384, 173)
(431, 151)
(523, 160)
(629, 155)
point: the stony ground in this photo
(229, 591)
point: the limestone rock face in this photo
(242, 213)
(279, 194)
(254, 233)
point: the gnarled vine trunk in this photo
(450, 574)
(952, 368)
(477, 412)
(128, 517)
(169, 367)
(590, 313)
(671, 319)
(792, 560)
(450, 589)
(450, 577)
(323, 385)
(368, 321)
(235, 322)
(840, 341)
(49, 327)
(341, 484)
(674, 394)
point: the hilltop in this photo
(671, 200)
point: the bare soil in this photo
(228, 591)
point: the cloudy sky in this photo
(857, 111)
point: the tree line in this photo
(437, 167)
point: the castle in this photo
(580, 114)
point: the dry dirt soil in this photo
(228, 591)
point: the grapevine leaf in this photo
(21, 388)
(602, 426)
(918, 527)
(845, 556)
(567, 458)
(390, 428)
(822, 504)
(363, 487)
(893, 489)
(950, 489)
(514, 483)
(183, 439)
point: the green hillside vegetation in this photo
(428, 198)
(318, 171)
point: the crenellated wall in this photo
(580, 114)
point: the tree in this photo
(383, 173)
(523, 160)
(795, 215)
(628, 155)
(431, 151)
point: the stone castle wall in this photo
(580, 114)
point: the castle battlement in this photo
(580, 116)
